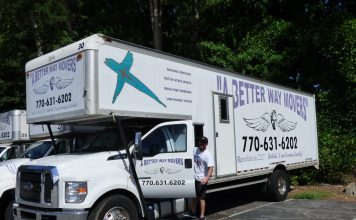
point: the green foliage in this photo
(262, 53)
(312, 195)
(303, 177)
(337, 142)
(216, 54)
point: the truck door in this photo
(166, 170)
(224, 135)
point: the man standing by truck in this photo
(203, 168)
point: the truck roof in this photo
(94, 41)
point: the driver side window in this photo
(166, 139)
(155, 143)
(5, 156)
(13, 152)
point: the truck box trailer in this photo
(13, 127)
(258, 131)
(14, 134)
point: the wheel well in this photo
(120, 192)
(280, 167)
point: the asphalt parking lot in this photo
(290, 209)
(242, 204)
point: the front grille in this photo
(48, 186)
(30, 186)
(37, 186)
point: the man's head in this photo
(203, 142)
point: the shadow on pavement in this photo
(227, 199)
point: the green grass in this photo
(311, 195)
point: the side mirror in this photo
(138, 152)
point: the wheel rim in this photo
(282, 186)
(117, 213)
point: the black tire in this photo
(115, 205)
(9, 214)
(278, 186)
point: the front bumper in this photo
(21, 213)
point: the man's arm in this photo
(206, 178)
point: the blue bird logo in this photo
(125, 76)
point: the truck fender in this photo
(5, 189)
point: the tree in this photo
(156, 22)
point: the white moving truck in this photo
(5, 152)
(14, 137)
(257, 132)
(66, 138)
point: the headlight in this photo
(75, 192)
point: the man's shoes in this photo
(202, 218)
(190, 215)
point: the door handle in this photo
(144, 178)
(188, 163)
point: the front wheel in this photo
(278, 186)
(9, 211)
(116, 207)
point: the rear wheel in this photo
(278, 186)
(115, 207)
(9, 211)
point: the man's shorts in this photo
(200, 190)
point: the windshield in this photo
(85, 143)
(1, 149)
(106, 140)
(37, 150)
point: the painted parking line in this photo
(249, 210)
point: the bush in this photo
(337, 146)
(312, 195)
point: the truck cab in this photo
(8, 169)
(12, 151)
(36, 150)
(87, 181)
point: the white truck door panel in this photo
(166, 170)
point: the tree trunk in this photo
(37, 35)
(195, 36)
(156, 23)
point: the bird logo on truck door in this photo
(125, 76)
(264, 121)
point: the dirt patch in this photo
(330, 192)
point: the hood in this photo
(74, 164)
(12, 165)
(6, 174)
